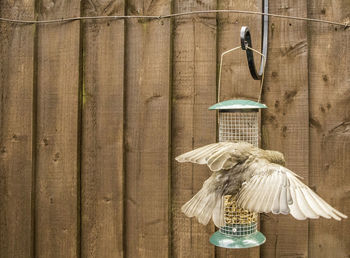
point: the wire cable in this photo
(155, 17)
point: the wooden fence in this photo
(94, 112)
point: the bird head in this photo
(275, 157)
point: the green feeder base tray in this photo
(225, 241)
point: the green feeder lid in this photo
(237, 104)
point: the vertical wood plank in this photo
(329, 125)
(193, 125)
(102, 137)
(285, 122)
(147, 130)
(57, 131)
(236, 81)
(16, 134)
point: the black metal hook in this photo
(247, 41)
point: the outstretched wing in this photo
(276, 189)
(218, 156)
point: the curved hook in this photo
(247, 41)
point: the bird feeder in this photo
(238, 121)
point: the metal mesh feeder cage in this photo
(238, 121)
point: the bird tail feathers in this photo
(205, 205)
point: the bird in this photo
(258, 180)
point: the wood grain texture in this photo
(102, 135)
(193, 125)
(57, 220)
(285, 123)
(329, 73)
(16, 133)
(236, 81)
(147, 130)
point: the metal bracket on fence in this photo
(247, 41)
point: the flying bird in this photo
(258, 180)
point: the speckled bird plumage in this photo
(257, 178)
